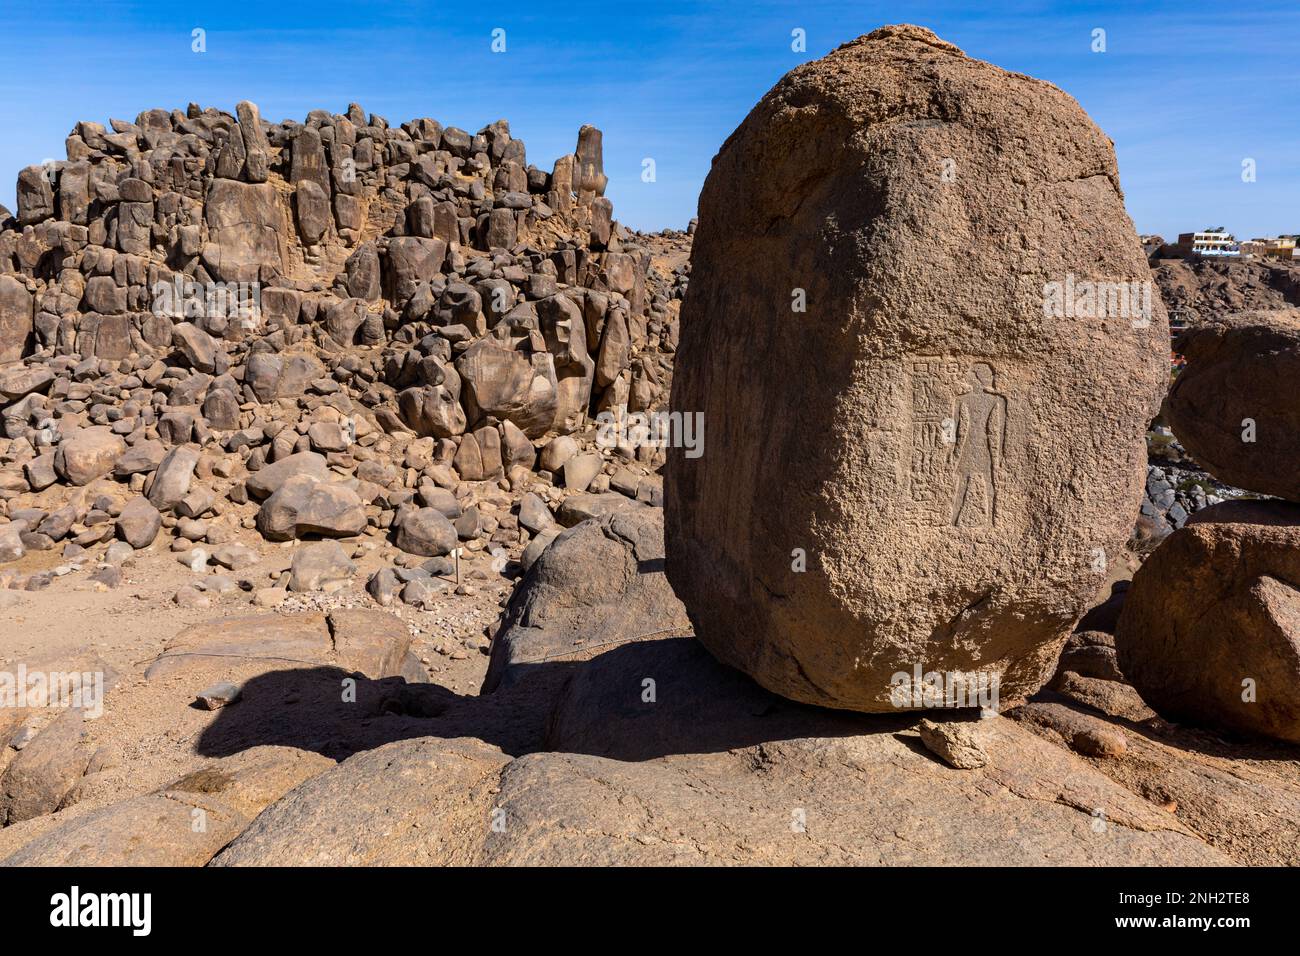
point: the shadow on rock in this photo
(636, 702)
(323, 709)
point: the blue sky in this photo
(1187, 90)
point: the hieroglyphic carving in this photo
(958, 441)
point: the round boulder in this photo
(1210, 631)
(304, 506)
(87, 454)
(1235, 406)
(428, 532)
(916, 439)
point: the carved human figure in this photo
(980, 445)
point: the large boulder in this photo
(598, 584)
(140, 458)
(509, 384)
(104, 336)
(20, 380)
(35, 195)
(256, 147)
(305, 505)
(11, 540)
(171, 482)
(911, 458)
(565, 334)
(1210, 631)
(246, 229)
(431, 410)
(409, 261)
(139, 523)
(426, 531)
(87, 454)
(266, 481)
(273, 376)
(576, 509)
(320, 565)
(199, 348)
(1235, 406)
(16, 319)
(311, 206)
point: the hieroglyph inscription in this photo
(958, 441)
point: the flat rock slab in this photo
(371, 642)
(625, 781)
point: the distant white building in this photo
(1210, 242)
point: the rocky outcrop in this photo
(296, 327)
(1205, 288)
(910, 459)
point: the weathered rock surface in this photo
(246, 225)
(301, 639)
(171, 480)
(383, 825)
(962, 458)
(17, 382)
(45, 771)
(958, 743)
(1210, 631)
(15, 320)
(87, 454)
(1235, 406)
(426, 531)
(318, 565)
(163, 828)
(302, 505)
(139, 523)
(598, 584)
(761, 780)
(266, 481)
(1240, 799)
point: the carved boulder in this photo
(918, 337)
